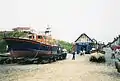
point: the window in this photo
(30, 37)
(39, 37)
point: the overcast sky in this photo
(99, 19)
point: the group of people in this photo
(81, 53)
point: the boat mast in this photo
(47, 32)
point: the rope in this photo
(36, 54)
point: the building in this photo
(83, 42)
(115, 43)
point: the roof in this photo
(94, 40)
(115, 39)
(82, 35)
(21, 28)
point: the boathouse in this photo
(83, 42)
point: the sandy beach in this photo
(79, 69)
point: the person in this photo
(113, 54)
(73, 58)
(80, 52)
(83, 52)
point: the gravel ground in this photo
(79, 69)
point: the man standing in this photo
(73, 58)
(83, 52)
(73, 49)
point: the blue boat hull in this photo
(29, 48)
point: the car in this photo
(117, 65)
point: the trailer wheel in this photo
(8, 61)
(61, 57)
(54, 59)
(1, 62)
(49, 60)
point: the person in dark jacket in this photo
(73, 58)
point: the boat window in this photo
(39, 37)
(30, 37)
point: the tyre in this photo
(49, 60)
(54, 59)
(118, 70)
(93, 59)
(116, 65)
(101, 59)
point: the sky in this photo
(68, 19)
